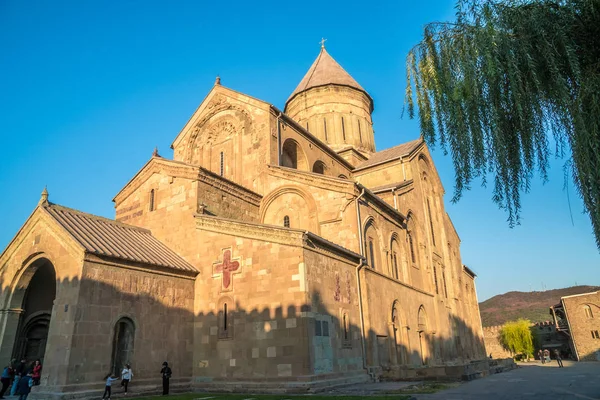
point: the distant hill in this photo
(529, 305)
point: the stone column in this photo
(9, 321)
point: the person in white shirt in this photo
(126, 376)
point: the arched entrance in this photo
(123, 340)
(34, 295)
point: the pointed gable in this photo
(325, 71)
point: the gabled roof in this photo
(105, 237)
(326, 71)
(390, 154)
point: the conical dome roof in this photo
(325, 71)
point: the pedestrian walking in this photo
(166, 375)
(126, 376)
(5, 379)
(541, 355)
(108, 387)
(25, 384)
(558, 358)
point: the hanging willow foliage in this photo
(506, 86)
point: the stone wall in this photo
(160, 307)
(584, 325)
(491, 336)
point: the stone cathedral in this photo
(277, 250)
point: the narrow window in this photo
(222, 163)
(437, 289)
(345, 327)
(592, 332)
(359, 131)
(286, 221)
(597, 335)
(152, 200)
(318, 331)
(325, 325)
(395, 264)
(371, 254)
(306, 125)
(225, 317)
(325, 128)
(444, 280)
(343, 130)
(412, 248)
(431, 222)
(588, 312)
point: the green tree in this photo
(507, 85)
(515, 336)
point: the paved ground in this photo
(530, 381)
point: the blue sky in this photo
(88, 89)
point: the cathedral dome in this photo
(325, 71)
(331, 105)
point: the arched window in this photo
(372, 246)
(444, 282)
(292, 156)
(123, 340)
(319, 167)
(431, 222)
(343, 177)
(222, 163)
(152, 200)
(394, 253)
(413, 257)
(343, 130)
(286, 221)
(588, 311)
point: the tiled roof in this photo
(105, 237)
(324, 71)
(391, 153)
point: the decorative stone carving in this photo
(226, 269)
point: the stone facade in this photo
(578, 317)
(265, 256)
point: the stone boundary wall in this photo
(491, 339)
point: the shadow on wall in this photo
(96, 326)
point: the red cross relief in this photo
(227, 268)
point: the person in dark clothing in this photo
(5, 379)
(558, 358)
(20, 371)
(24, 387)
(166, 375)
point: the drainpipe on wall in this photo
(279, 140)
(360, 265)
(395, 200)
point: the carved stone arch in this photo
(293, 155)
(294, 202)
(217, 139)
(395, 256)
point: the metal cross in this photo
(323, 42)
